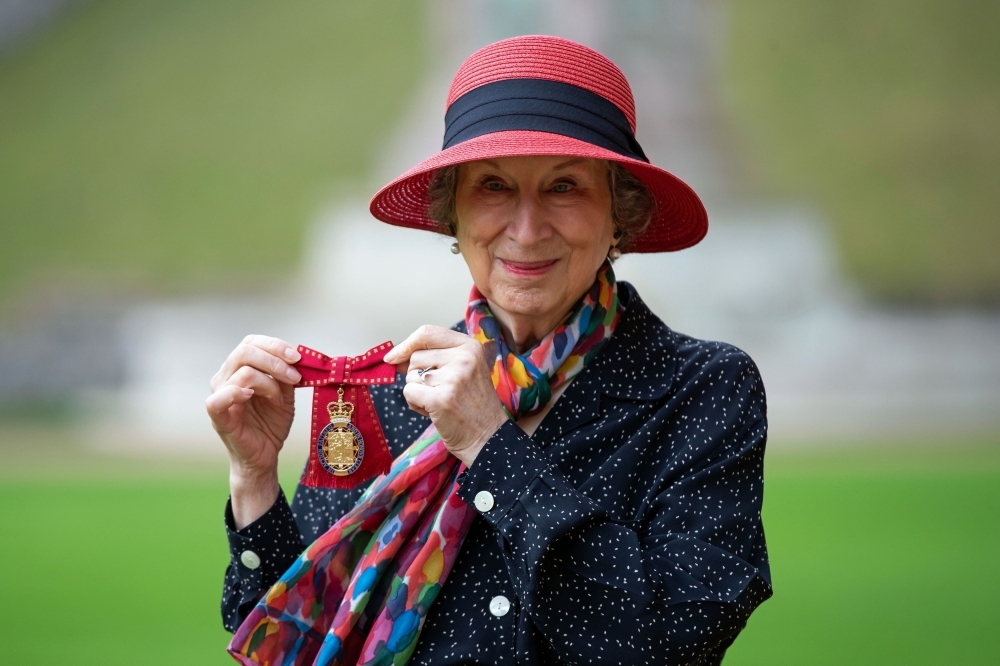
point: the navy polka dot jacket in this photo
(626, 530)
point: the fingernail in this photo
(293, 374)
(247, 392)
(292, 355)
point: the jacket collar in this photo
(638, 363)
(640, 359)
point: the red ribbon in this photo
(325, 374)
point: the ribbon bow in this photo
(340, 380)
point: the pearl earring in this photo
(614, 253)
(454, 248)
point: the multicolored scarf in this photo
(360, 593)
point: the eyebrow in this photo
(568, 163)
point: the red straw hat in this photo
(540, 95)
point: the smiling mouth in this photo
(528, 268)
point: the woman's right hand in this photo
(251, 407)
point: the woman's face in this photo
(534, 231)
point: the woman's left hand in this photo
(456, 392)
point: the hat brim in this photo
(680, 220)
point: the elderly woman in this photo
(606, 471)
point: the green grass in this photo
(880, 558)
(884, 556)
(882, 114)
(179, 144)
(112, 573)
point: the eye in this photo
(562, 187)
(492, 183)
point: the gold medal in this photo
(340, 446)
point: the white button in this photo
(499, 606)
(250, 559)
(484, 500)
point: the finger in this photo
(432, 377)
(436, 393)
(218, 403)
(417, 397)
(275, 346)
(251, 355)
(425, 337)
(261, 384)
(225, 409)
(432, 358)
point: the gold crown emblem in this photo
(340, 443)
(340, 411)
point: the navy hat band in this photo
(543, 106)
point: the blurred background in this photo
(175, 175)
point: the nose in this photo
(528, 224)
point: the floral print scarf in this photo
(360, 593)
